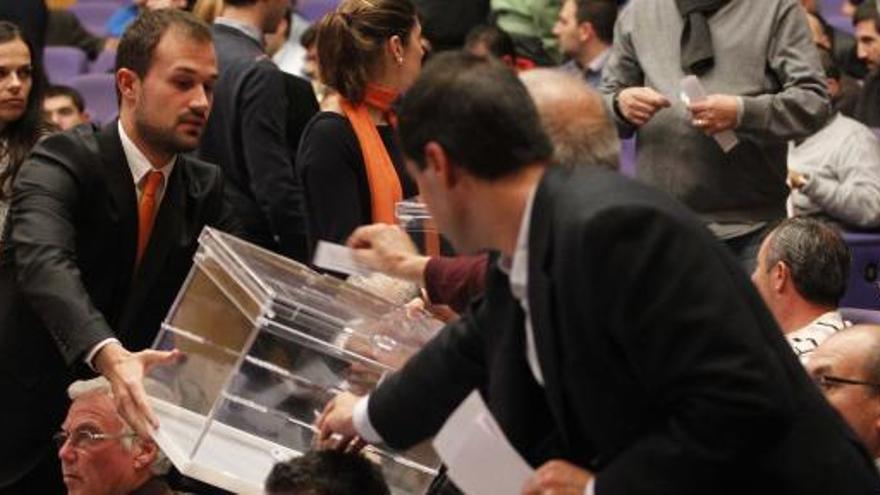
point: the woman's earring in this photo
(399, 60)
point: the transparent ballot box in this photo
(266, 342)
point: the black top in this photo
(252, 134)
(331, 167)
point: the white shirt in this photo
(805, 340)
(139, 166)
(517, 270)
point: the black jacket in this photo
(664, 372)
(253, 134)
(67, 278)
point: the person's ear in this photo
(780, 275)
(438, 162)
(145, 453)
(396, 49)
(86, 116)
(586, 32)
(128, 84)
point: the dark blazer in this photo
(253, 133)
(664, 372)
(67, 277)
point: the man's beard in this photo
(162, 139)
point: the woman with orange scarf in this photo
(369, 51)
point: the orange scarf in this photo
(385, 188)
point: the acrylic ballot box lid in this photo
(266, 342)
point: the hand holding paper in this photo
(558, 478)
(715, 115)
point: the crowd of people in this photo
(609, 322)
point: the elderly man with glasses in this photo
(847, 368)
(100, 454)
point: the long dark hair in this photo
(20, 136)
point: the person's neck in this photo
(500, 205)
(245, 15)
(157, 158)
(798, 313)
(591, 51)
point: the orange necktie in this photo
(147, 211)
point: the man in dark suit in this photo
(619, 345)
(252, 133)
(104, 224)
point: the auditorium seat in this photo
(63, 63)
(863, 290)
(99, 92)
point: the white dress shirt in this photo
(139, 166)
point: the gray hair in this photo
(101, 386)
(575, 118)
(816, 255)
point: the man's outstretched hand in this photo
(125, 371)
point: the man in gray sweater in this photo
(761, 72)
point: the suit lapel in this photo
(540, 293)
(121, 188)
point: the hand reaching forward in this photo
(638, 105)
(388, 249)
(336, 425)
(125, 371)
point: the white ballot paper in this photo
(691, 92)
(477, 455)
(337, 258)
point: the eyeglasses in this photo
(827, 382)
(80, 439)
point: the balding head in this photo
(847, 366)
(574, 117)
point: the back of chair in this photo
(315, 9)
(104, 64)
(858, 316)
(863, 290)
(94, 15)
(63, 63)
(99, 92)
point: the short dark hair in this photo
(480, 113)
(601, 14)
(497, 41)
(326, 472)
(239, 3)
(829, 65)
(309, 36)
(75, 97)
(138, 44)
(816, 255)
(867, 11)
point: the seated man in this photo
(836, 172)
(847, 367)
(803, 267)
(65, 107)
(326, 473)
(100, 454)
